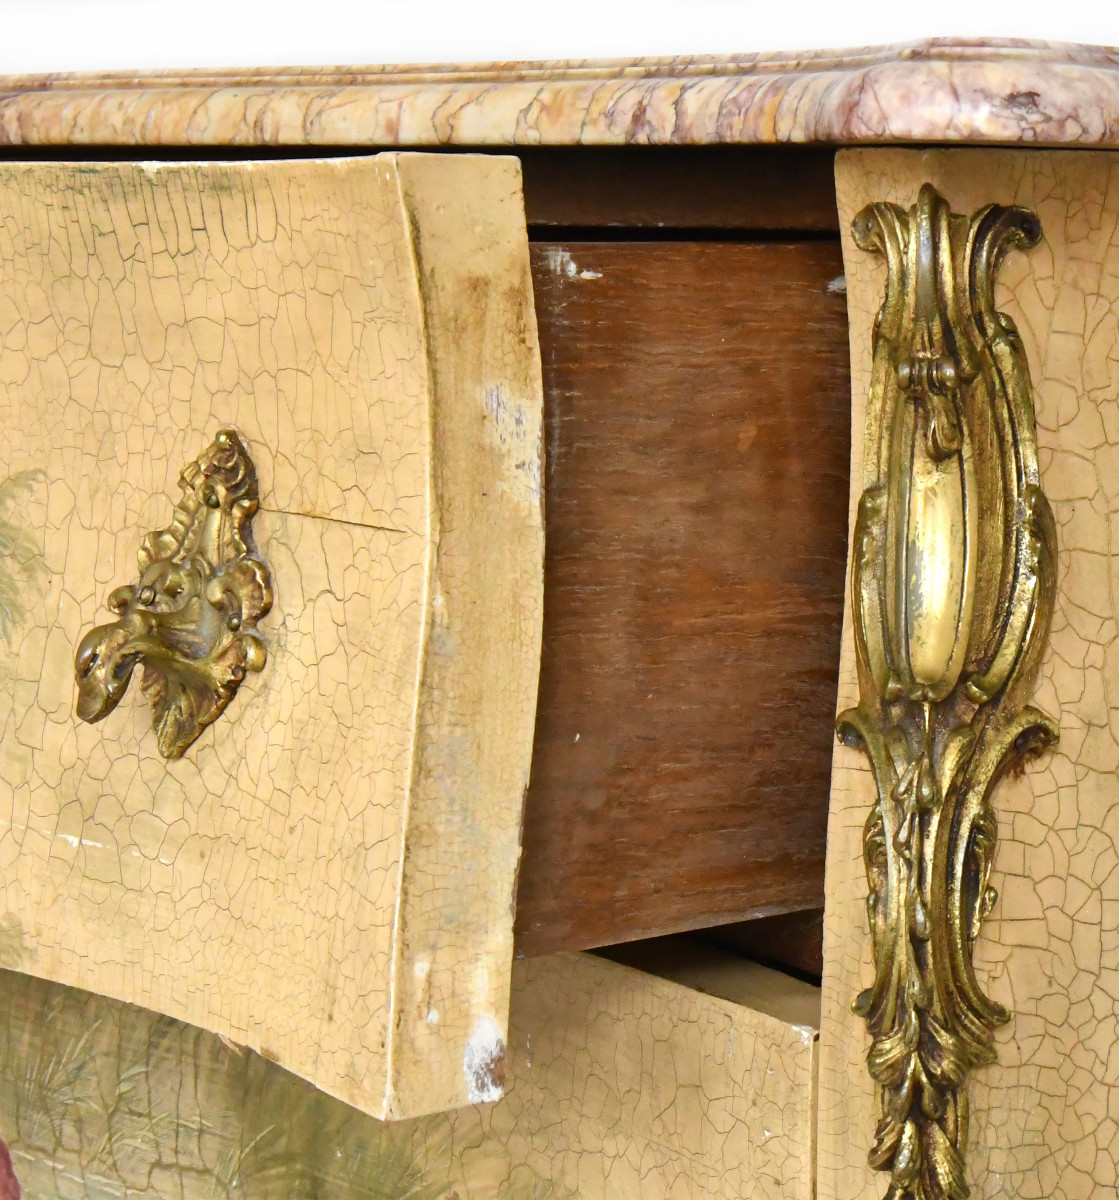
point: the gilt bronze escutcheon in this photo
(953, 587)
(188, 621)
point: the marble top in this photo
(944, 90)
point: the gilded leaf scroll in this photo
(188, 620)
(953, 586)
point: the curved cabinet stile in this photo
(1041, 923)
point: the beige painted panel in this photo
(1045, 1119)
(283, 883)
(622, 1087)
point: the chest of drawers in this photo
(703, 318)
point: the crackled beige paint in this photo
(281, 885)
(1045, 1119)
(622, 1087)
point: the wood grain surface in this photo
(789, 941)
(681, 187)
(697, 432)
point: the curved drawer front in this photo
(620, 1086)
(327, 872)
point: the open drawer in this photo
(314, 852)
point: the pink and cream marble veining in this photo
(995, 92)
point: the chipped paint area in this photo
(837, 286)
(510, 429)
(483, 1064)
(560, 262)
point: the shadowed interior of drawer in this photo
(698, 432)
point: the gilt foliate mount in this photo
(188, 621)
(953, 585)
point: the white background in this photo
(75, 35)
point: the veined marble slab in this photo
(943, 90)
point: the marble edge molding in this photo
(1001, 91)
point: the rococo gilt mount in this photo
(327, 877)
(189, 619)
(953, 588)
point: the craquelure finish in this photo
(327, 875)
(1045, 1116)
(621, 1086)
(952, 585)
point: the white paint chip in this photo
(560, 262)
(509, 427)
(483, 1064)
